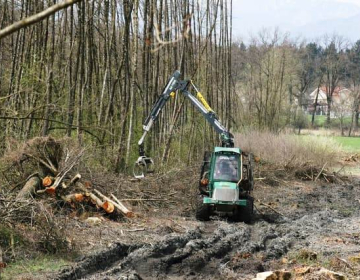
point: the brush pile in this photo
(43, 168)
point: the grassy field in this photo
(36, 266)
(347, 144)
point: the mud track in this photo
(223, 250)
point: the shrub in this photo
(289, 151)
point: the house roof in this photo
(338, 91)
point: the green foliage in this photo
(300, 120)
(9, 236)
(41, 264)
(320, 122)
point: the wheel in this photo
(245, 213)
(202, 210)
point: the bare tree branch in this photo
(36, 18)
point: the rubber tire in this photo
(202, 210)
(245, 213)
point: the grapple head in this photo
(143, 166)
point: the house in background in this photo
(341, 98)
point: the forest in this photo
(93, 71)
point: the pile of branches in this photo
(352, 158)
(12, 210)
(315, 173)
(49, 170)
(306, 172)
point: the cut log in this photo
(130, 214)
(118, 205)
(79, 197)
(51, 190)
(47, 181)
(30, 188)
(76, 197)
(97, 201)
(108, 207)
(75, 179)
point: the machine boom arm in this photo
(199, 102)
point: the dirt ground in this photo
(297, 224)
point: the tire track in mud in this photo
(197, 254)
(125, 253)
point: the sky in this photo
(308, 19)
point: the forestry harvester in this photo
(226, 178)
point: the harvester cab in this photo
(226, 179)
(226, 183)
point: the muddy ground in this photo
(313, 224)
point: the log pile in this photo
(59, 181)
(73, 192)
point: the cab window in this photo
(227, 167)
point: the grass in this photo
(346, 144)
(320, 121)
(44, 264)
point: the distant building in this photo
(340, 98)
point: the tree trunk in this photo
(329, 100)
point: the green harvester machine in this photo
(226, 178)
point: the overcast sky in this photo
(309, 19)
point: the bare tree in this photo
(333, 67)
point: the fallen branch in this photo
(135, 229)
(67, 169)
(345, 262)
(142, 199)
(271, 208)
(47, 165)
(322, 169)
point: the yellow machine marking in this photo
(203, 101)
